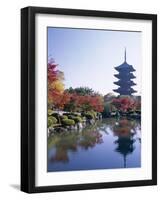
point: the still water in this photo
(107, 144)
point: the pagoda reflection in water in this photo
(124, 131)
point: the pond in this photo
(107, 144)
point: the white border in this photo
(94, 176)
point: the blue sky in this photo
(88, 57)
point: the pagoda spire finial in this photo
(125, 54)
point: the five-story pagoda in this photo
(125, 77)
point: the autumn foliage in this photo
(126, 104)
(84, 103)
(55, 84)
(80, 99)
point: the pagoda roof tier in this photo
(125, 67)
(126, 76)
(125, 92)
(125, 83)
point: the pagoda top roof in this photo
(125, 65)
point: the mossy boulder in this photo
(51, 121)
(57, 116)
(68, 122)
(77, 119)
(89, 116)
(50, 112)
(94, 114)
(63, 117)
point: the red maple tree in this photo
(124, 104)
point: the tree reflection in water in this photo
(71, 141)
(61, 145)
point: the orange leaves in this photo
(55, 86)
(58, 99)
(86, 102)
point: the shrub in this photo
(56, 115)
(77, 119)
(93, 113)
(51, 121)
(50, 112)
(89, 116)
(63, 117)
(68, 122)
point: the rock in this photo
(91, 121)
(50, 131)
(79, 125)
